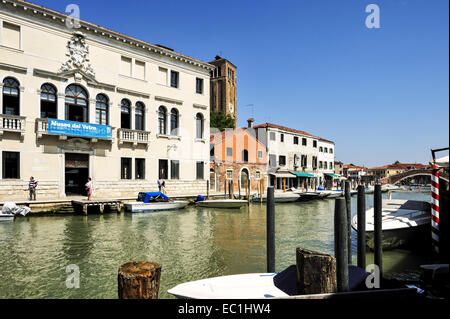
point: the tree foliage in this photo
(221, 121)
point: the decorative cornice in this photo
(15, 68)
(167, 99)
(199, 106)
(131, 92)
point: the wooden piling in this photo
(207, 189)
(239, 189)
(249, 189)
(377, 234)
(316, 272)
(225, 189)
(229, 189)
(361, 217)
(348, 200)
(341, 244)
(139, 280)
(270, 229)
(232, 190)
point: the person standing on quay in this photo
(159, 185)
(89, 188)
(32, 188)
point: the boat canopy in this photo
(148, 196)
(333, 175)
(298, 174)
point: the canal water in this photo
(190, 244)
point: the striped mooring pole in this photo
(435, 208)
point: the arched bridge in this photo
(407, 174)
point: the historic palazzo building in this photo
(90, 102)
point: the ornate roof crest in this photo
(78, 52)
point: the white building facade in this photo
(91, 102)
(295, 157)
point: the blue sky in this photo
(380, 94)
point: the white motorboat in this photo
(280, 197)
(140, 207)
(222, 203)
(335, 194)
(389, 187)
(11, 210)
(404, 222)
(243, 286)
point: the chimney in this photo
(250, 122)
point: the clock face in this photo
(231, 107)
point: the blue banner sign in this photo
(81, 129)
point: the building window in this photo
(199, 86)
(11, 98)
(258, 175)
(140, 168)
(315, 144)
(77, 104)
(272, 160)
(200, 166)
(304, 141)
(163, 169)
(282, 160)
(174, 169)
(272, 136)
(321, 149)
(125, 168)
(11, 36)
(325, 165)
(101, 109)
(229, 151)
(174, 79)
(10, 165)
(331, 165)
(174, 122)
(325, 150)
(260, 154)
(125, 66)
(320, 164)
(229, 174)
(199, 125)
(125, 114)
(162, 119)
(48, 101)
(331, 151)
(296, 140)
(245, 156)
(304, 160)
(282, 137)
(139, 70)
(162, 76)
(139, 116)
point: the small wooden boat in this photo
(279, 197)
(404, 222)
(153, 201)
(10, 210)
(306, 196)
(222, 203)
(6, 217)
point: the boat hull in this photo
(222, 203)
(6, 217)
(416, 237)
(140, 207)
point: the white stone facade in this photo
(36, 48)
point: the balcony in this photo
(12, 123)
(133, 136)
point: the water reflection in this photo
(189, 244)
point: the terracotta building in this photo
(223, 88)
(236, 155)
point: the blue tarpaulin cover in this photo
(200, 198)
(147, 196)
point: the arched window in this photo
(139, 116)
(199, 125)
(77, 104)
(125, 114)
(101, 109)
(174, 122)
(11, 96)
(48, 101)
(162, 119)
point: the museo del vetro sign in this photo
(63, 127)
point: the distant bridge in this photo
(407, 174)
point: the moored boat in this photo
(279, 197)
(153, 201)
(10, 210)
(222, 203)
(404, 223)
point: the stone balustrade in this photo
(133, 136)
(12, 123)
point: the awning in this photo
(302, 174)
(282, 175)
(333, 175)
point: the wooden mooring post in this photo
(341, 244)
(361, 217)
(249, 189)
(377, 233)
(348, 201)
(270, 229)
(139, 280)
(207, 189)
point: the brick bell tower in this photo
(223, 88)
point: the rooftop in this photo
(284, 128)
